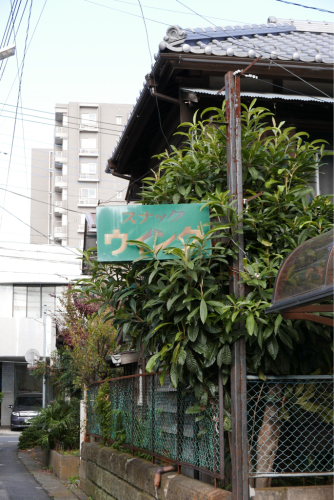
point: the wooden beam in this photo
(311, 308)
(309, 317)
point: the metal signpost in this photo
(240, 488)
(159, 226)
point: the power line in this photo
(291, 90)
(156, 99)
(18, 100)
(39, 232)
(68, 181)
(306, 6)
(165, 10)
(69, 116)
(51, 124)
(54, 171)
(257, 50)
(124, 12)
(26, 51)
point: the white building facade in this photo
(31, 276)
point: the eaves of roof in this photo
(265, 95)
(298, 42)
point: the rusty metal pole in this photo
(240, 489)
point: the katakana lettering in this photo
(159, 217)
(174, 212)
(116, 234)
(147, 236)
(129, 218)
(188, 230)
(146, 215)
(165, 244)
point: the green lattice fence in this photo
(154, 420)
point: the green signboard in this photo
(164, 225)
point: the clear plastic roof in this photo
(306, 275)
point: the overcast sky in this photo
(82, 51)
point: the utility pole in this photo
(240, 488)
(44, 354)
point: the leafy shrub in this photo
(1, 396)
(60, 421)
(29, 438)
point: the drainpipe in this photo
(162, 470)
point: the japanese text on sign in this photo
(162, 225)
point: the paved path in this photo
(16, 482)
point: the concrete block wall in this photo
(107, 474)
(8, 391)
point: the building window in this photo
(88, 143)
(20, 302)
(88, 193)
(118, 120)
(6, 300)
(88, 119)
(28, 301)
(88, 168)
(119, 195)
(34, 301)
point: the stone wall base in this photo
(107, 474)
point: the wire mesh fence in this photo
(290, 426)
(147, 417)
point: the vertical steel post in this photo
(44, 356)
(240, 489)
(221, 426)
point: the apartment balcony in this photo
(89, 177)
(81, 228)
(60, 232)
(93, 126)
(61, 132)
(60, 157)
(60, 182)
(87, 202)
(60, 207)
(89, 152)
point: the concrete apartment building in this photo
(71, 178)
(31, 276)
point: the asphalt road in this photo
(16, 483)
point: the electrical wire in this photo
(32, 36)
(306, 6)
(257, 50)
(295, 91)
(51, 124)
(68, 181)
(124, 12)
(34, 229)
(165, 10)
(17, 102)
(17, 64)
(156, 99)
(69, 116)
(47, 168)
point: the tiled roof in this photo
(306, 41)
(278, 39)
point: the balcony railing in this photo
(60, 156)
(87, 202)
(88, 177)
(60, 207)
(60, 181)
(60, 232)
(88, 126)
(89, 151)
(61, 132)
